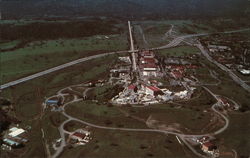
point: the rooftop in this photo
(79, 135)
(154, 88)
(132, 87)
(16, 132)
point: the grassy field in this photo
(102, 115)
(190, 113)
(204, 76)
(113, 144)
(8, 44)
(228, 87)
(178, 51)
(237, 135)
(27, 99)
(24, 61)
(154, 31)
(154, 34)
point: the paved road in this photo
(169, 32)
(214, 77)
(143, 36)
(180, 135)
(60, 67)
(173, 43)
(218, 112)
(132, 49)
(224, 68)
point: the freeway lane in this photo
(224, 68)
(13, 83)
(132, 46)
(173, 43)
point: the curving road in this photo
(169, 32)
(218, 112)
(173, 43)
(180, 135)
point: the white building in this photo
(16, 132)
(182, 94)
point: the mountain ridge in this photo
(124, 8)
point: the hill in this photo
(124, 8)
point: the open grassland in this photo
(228, 87)
(237, 136)
(41, 55)
(178, 51)
(204, 76)
(158, 33)
(103, 115)
(154, 34)
(189, 116)
(29, 46)
(27, 99)
(113, 144)
(8, 44)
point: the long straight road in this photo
(224, 68)
(60, 67)
(173, 43)
(132, 48)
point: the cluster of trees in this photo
(4, 120)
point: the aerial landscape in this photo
(125, 78)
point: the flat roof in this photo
(16, 132)
(10, 142)
(154, 88)
(13, 129)
(79, 135)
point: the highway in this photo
(173, 43)
(224, 68)
(132, 49)
(60, 67)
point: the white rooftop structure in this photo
(16, 131)
(245, 72)
(182, 94)
(13, 129)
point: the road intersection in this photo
(182, 136)
(173, 43)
